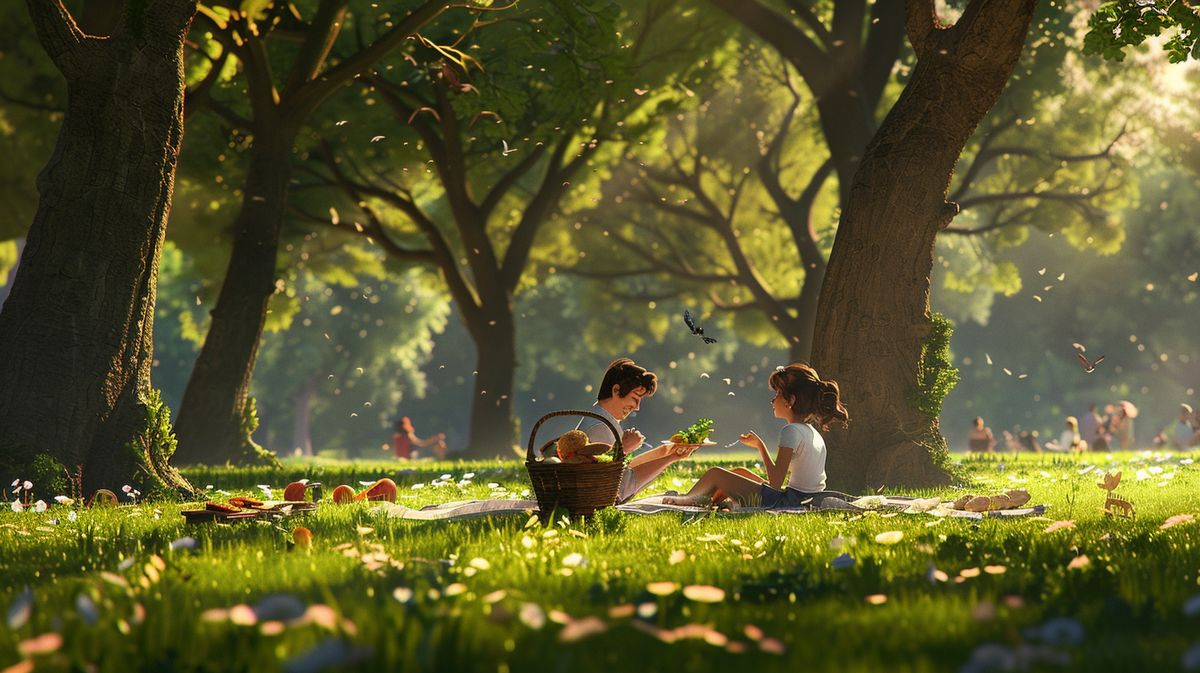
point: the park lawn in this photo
(508, 594)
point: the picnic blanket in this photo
(472, 509)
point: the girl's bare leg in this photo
(721, 480)
(719, 496)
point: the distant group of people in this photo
(1095, 432)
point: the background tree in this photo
(479, 220)
(873, 323)
(76, 329)
(213, 415)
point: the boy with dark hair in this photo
(624, 386)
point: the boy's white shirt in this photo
(807, 469)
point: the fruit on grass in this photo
(302, 537)
(343, 494)
(294, 491)
(384, 489)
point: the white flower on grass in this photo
(266, 490)
(16, 506)
(63, 500)
(127, 488)
(28, 485)
(469, 475)
(72, 516)
(573, 560)
(39, 506)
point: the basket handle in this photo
(618, 451)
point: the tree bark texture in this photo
(874, 313)
(211, 427)
(76, 329)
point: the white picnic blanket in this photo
(472, 509)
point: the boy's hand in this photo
(752, 440)
(631, 439)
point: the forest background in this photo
(1079, 194)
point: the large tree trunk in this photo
(493, 430)
(212, 425)
(76, 330)
(874, 313)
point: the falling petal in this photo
(677, 556)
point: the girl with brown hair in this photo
(805, 403)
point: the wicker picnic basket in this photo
(580, 488)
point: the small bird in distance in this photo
(1089, 366)
(698, 331)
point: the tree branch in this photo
(920, 23)
(58, 33)
(813, 64)
(312, 92)
(319, 38)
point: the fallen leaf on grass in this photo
(1079, 562)
(43, 644)
(771, 646)
(582, 628)
(662, 588)
(1059, 525)
(1176, 520)
(677, 556)
(890, 537)
(703, 593)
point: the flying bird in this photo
(1089, 366)
(698, 331)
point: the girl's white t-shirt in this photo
(807, 469)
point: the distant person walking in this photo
(1122, 427)
(981, 439)
(1089, 426)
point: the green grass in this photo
(122, 600)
